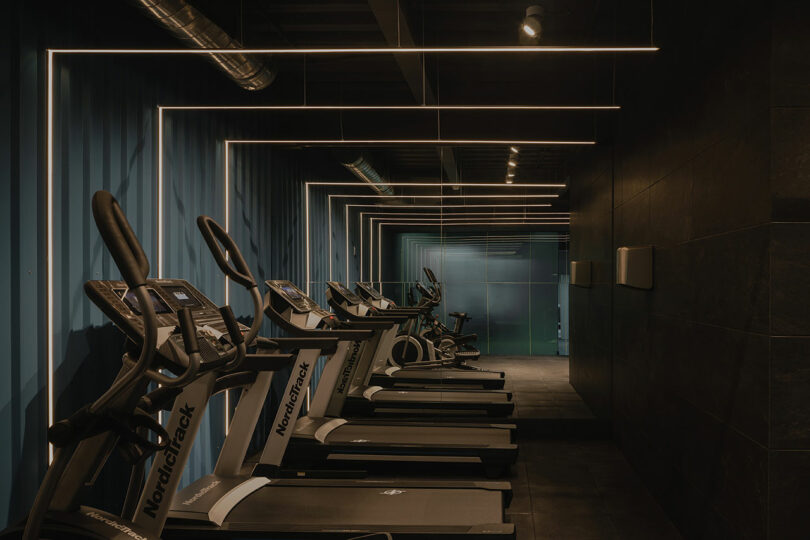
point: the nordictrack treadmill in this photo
(291, 309)
(238, 502)
(350, 306)
(323, 438)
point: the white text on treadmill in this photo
(115, 525)
(200, 493)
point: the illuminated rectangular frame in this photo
(439, 207)
(430, 224)
(452, 217)
(52, 52)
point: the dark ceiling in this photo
(502, 79)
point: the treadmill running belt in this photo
(417, 435)
(346, 507)
(417, 396)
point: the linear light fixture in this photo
(392, 107)
(441, 206)
(440, 142)
(437, 184)
(51, 53)
(369, 50)
(50, 249)
(433, 224)
(329, 207)
(381, 214)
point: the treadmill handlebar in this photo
(341, 334)
(306, 342)
(189, 331)
(120, 239)
(214, 235)
(234, 331)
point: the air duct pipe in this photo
(361, 167)
(198, 31)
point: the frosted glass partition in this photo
(509, 283)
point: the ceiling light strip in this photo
(436, 184)
(393, 107)
(460, 142)
(370, 50)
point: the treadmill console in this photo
(371, 295)
(168, 296)
(369, 289)
(344, 291)
(296, 308)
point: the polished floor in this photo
(571, 481)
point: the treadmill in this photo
(322, 437)
(294, 311)
(349, 305)
(235, 501)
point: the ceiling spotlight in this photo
(514, 149)
(510, 175)
(531, 29)
(508, 180)
(511, 163)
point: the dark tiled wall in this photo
(709, 386)
(590, 321)
(789, 463)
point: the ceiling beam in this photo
(394, 27)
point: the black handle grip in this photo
(422, 289)
(214, 234)
(430, 275)
(121, 241)
(231, 325)
(189, 331)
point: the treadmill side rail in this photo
(211, 498)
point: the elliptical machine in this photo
(121, 417)
(451, 342)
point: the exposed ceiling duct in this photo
(362, 168)
(198, 31)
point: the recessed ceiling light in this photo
(510, 175)
(514, 149)
(511, 163)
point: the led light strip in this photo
(549, 215)
(393, 107)
(440, 142)
(441, 223)
(436, 206)
(50, 97)
(436, 184)
(369, 50)
(407, 184)
(50, 250)
(428, 224)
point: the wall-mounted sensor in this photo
(634, 267)
(581, 273)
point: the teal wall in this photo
(105, 137)
(509, 283)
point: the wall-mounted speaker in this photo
(634, 267)
(581, 273)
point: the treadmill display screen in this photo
(132, 301)
(344, 290)
(291, 292)
(370, 290)
(182, 296)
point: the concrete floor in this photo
(571, 481)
